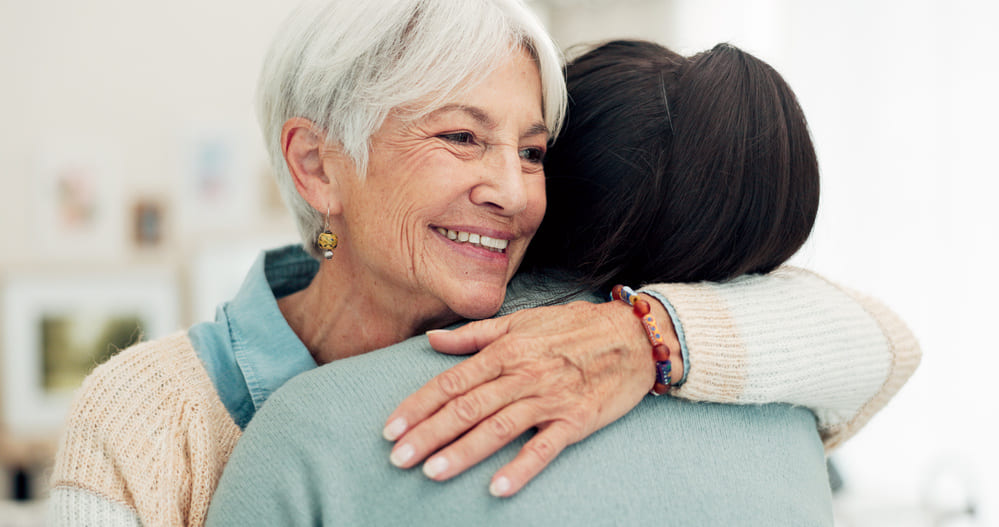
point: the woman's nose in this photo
(502, 186)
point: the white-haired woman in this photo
(365, 107)
(407, 137)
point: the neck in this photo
(339, 316)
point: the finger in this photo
(454, 419)
(545, 446)
(482, 441)
(469, 338)
(443, 388)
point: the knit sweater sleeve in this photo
(794, 337)
(146, 435)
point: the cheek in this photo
(536, 204)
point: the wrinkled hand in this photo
(566, 370)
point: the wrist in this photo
(668, 332)
(661, 354)
(633, 342)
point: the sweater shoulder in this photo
(137, 381)
(147, 429)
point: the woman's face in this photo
(450, 201)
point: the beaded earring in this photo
(327, 241)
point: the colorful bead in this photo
(326, 242)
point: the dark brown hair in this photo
(676, 169)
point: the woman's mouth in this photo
(477, 240)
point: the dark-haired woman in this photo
(705, 160)
(671, 171)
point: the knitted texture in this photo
(147, 431)
(73, 506)
(794, 337)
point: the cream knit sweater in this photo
(793, 337)
(148, 436)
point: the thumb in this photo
(469, 338)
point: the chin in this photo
(484, 304)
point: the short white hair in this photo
(345, 64)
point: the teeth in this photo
(492, 244)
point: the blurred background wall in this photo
(132, 178)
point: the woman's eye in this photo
(533, 155)
(461, 138)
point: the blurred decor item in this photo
(951, 491)
(56, 329)
(273, 202)
(77, 192)
(147, 223)
(218, 189)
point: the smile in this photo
(493, 244)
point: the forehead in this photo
(510, 92)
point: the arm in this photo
(783, 337)
(788, 337)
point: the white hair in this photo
(345, 64)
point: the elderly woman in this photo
(685, 123)
(368, 110)
(407, 137)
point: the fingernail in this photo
(393, 430)
(436, 331)
(435, 467)
(401, 454)
(499, 487)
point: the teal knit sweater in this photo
(313, 455)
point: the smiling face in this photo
(450, 201)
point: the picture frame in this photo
(217, 190)
(56, 329)
(78, 191)
(148, 223)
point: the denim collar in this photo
(266, 349)
(249, 351)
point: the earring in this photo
(327, 241)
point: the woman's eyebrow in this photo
(537, 128)
(480, 116)
(477, 114)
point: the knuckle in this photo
(466, 408)
(451, 383)
(541, 448)
(501, 426)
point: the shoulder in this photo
(147, 430)
(146, 373)
(147, 397)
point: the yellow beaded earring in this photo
(327, 241)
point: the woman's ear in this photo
(304, 147)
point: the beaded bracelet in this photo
(660, 351)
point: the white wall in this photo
(900, 97)
(132, 79)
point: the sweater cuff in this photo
(679, 332)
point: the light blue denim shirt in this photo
(250, 351)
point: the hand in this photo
(566, 370)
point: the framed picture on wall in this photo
(78, 199)
(148, 223)
(217, 188)
(56, 329)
